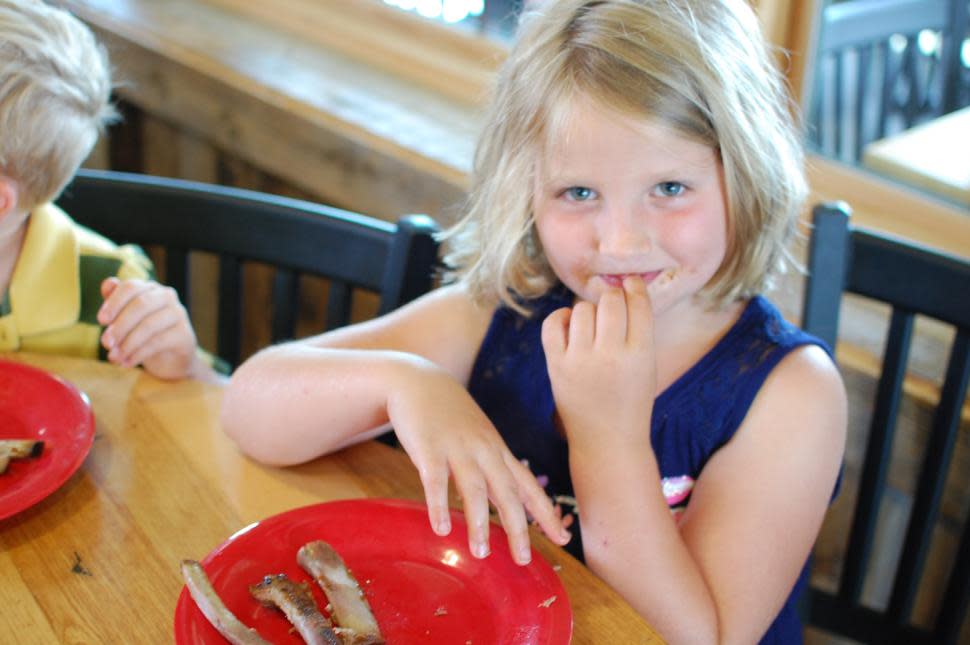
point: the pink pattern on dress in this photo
(676, 491)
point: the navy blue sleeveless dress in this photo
(692, 418)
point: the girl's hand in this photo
(602, 365)
(446, 434)
(146, 324)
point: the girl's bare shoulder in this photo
(807, 392)
(449, 311)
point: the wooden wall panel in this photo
(334, 168)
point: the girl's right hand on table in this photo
(447, 435)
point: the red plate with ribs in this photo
(421, 587)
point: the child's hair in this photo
(55, 87)
(700, 67)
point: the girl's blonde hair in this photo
(55, 87)
(701, 67)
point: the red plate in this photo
(38, 405)
(422, 588)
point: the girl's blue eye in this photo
(671, 188)
(579, 193)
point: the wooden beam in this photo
(347, 134)
(889, 207)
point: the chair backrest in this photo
(913, 281)
(296, 237)
(883, 66)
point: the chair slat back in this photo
(286, 293)
(875, 468)
(396, 261)
(956, 598)
(913, 281)
(929, 491)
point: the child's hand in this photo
(602, 365)
(146, 324)
(446, 433)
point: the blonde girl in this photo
(602, 358)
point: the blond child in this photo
(635, 189)
(64, 288)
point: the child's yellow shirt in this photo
(54, 295)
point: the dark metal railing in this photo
(883, 66)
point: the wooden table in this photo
(97, 561)
(934, 156)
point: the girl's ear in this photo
(9, 192)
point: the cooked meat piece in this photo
(296, 601)
(18, 449)
(348, 606)
(212, 607)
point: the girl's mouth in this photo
(616, 279)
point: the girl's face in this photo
(616, 196)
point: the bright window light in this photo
(429, 8)
(447, 10)
(454, 10)
(897, 43)
(407, 5)
(928, 42)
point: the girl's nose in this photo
(623, 231)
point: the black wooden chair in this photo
(295, 237)
(914, 281)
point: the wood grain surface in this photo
(98, 560)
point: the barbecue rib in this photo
(211, 606)
(18, 449)
(297, 603)
(348, 606)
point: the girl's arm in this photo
(294, 402)
(722, 575)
